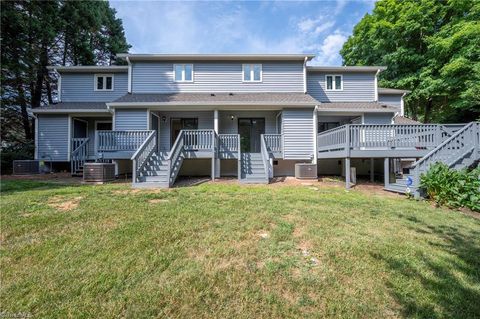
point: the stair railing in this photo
(266, 157)
(175, 158)
(79, 154)
(451, 150)
(141, 156)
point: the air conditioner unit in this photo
(306, 171)
(98, 172)
(26, 167)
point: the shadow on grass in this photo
(447, 277)
(14, 186)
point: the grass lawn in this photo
(226, 250)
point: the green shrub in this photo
(15, 152)
(453, 188)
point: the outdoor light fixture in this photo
(164, 119)
(232, 117)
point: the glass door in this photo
(178, 124)
(250, 130)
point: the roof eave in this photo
(70, 111)
(215, 57)
(88, 68)
(346, 68)
(220, 103)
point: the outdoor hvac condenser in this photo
(98, 172)
(305, 171)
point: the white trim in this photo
(69, 138)
(59, 87)
(333, 82)
(183, 73)
(215, 121)
(402, 105)
(95, 130)
(252, 73)
(216, 57)
(305, 75)
(113, 119)
(129, 87)
(149, 122)
(376, 86)
(36, 138)
(221, 103)
(104, 76)
(346, 68)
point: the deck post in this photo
(386, 171)
(372, 169)
(215, 156)
(347, 172)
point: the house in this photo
(253, 116)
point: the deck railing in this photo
(274, 143)
(228, 143)
(79, 153)
(120, 141)
(175, 158)
(142, 154)
(266, 157)
(387, 136)
(198, 140)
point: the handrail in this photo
(228, 143)
(265, 156)
(79, 153)
(140, 157)
(174, 158)
(113, 141)
(199, 139)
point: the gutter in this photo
(219, 103)
(43, 111)
(129, 89)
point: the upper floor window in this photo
(334, 82)
(183, 72)
(103, 82)
(252, 73)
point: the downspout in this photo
(305, 75)
(402, 105)
(129, 75)
(315, 130)
(276, 122)
(59, 84)
(376, 85)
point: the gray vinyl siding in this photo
(377, 118)
(297, 128)
(357, 87)
(53, 137)
(391, 99)
(205, 121)
(157, 77)
(131, 119)
(79, 87)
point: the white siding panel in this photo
(357, 87)
(53, 137)
(79, 87)
(297, 128)
(157, 77)
(131, 119)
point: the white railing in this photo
(462, 142)
(79, 154)
(274, 143)
(266, 157)
(140, 157)
(385, 136)
(114, 141)
(198, 140)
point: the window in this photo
(183, 72)
(334, 82)
(252, 73)
(325, 126)
(103, 82)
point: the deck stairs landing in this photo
(155, 172)
(459, 151)
(253, 169)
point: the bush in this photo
(15, 152)
(452, 188)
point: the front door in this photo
(250, 130)
(178, 124)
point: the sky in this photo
(318, 27)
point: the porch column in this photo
(372, 169)
(216, 164)
(386, 171)
(347, 172)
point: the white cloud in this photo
(330, 48)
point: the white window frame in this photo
(104, 76)
(252, 73)
(183, 72)
(333, 82)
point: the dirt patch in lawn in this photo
(63, 204)
(158, 200)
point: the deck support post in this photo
(347, 172)
(386, 171)
(213, 168)
(372, 169)
(215, 155)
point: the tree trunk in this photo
(428, 110)
(23, 110)
(41, 73)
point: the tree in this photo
(36, 34)
(430, 47)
